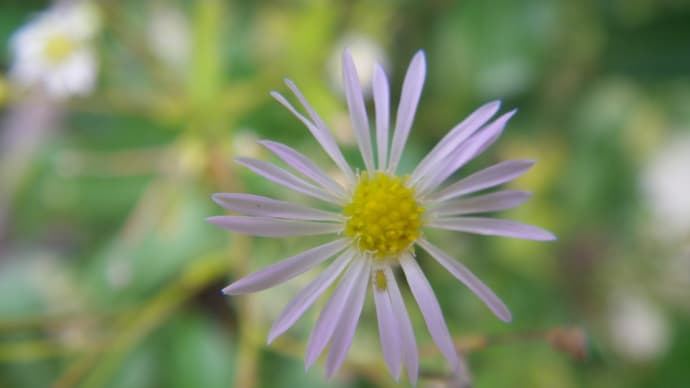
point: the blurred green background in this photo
(110, 277)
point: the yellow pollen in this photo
(384, 217)
(57, 48)
(380, 280)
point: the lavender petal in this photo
(480, 289)
(285, 269)
(409, 99)
(273, 227)
(493, 227)
(389, 333)
(289, 180)
(431, 311)
(256, 205)
(489, 177)
(308, 295)
(499, 200)
(345, 330)
(454, 139)
(408, 342)
(304, 165)
(332, 312)
(382, 104)
(358, 113)
(463, 154)
(319, 131)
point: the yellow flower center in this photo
(57, 48)
(384, 217)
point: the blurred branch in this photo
(26, 126)
(116, 102)
(46, 321)
(569, 340)
(137, 46)
(248, 347)
(32, 351)
(101, 362)
(115, 163)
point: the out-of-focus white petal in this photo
(332, 312)
(285, 269)
(169, 35)
(256, 205)
(411, 92)
(366, 53)
(345, 330)
(77, 76)
(493, 227)
(358, 112)
(305, 298)
(489, 177)
(472, 282)
(431, 311)
(73, 71)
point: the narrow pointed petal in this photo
(500, 200)
(256, 205)
(489, 177)
(273, 227)
(408, 342)
(454, 139)
(382, 104)
(319, 131)
(472, 282)
(409, 99)
(358, 112)
(431, 311)
(287, 179)
(304, 165)
(465, 153)
(285, 269)
(493, 227)
(345, 330)
(332, 312)
(309, 294)
(389, 333)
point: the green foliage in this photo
(110, 276)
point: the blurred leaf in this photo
(196, 352)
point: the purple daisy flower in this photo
(381, 221)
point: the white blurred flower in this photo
(365, 52)
(53, 52)
(169, 35)
(245, 144)
(675, 278)
(119, 273)
(638, 330)
(666, 186)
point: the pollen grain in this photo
(384, 217)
